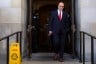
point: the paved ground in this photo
(47, 58)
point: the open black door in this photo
(29, 28)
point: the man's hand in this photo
(50, 33)
(73, 28)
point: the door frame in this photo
(29, 27)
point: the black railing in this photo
(82, 42)
(18, 39)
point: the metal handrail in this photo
(88, 34)
(18, 39)
(82, 42)
(9, 35)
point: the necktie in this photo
(60, 16)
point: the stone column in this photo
(12, 19)
(86, 17)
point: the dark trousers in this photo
(59, 42)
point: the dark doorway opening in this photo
(40, 14)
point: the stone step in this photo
(47, 58)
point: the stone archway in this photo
(72, 10)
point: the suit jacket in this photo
(55, 24)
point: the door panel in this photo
(44, 40)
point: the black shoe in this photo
(56, 57)
(61, 60)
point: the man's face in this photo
(61, 6)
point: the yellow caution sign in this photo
(14, 53)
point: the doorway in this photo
(40, 14)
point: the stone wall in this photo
(12, 19)
(86, 17)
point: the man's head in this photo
(61, 6)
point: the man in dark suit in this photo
(58, 28)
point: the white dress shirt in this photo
(59, 13)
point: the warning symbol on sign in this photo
(14, 53)
(14, 56)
